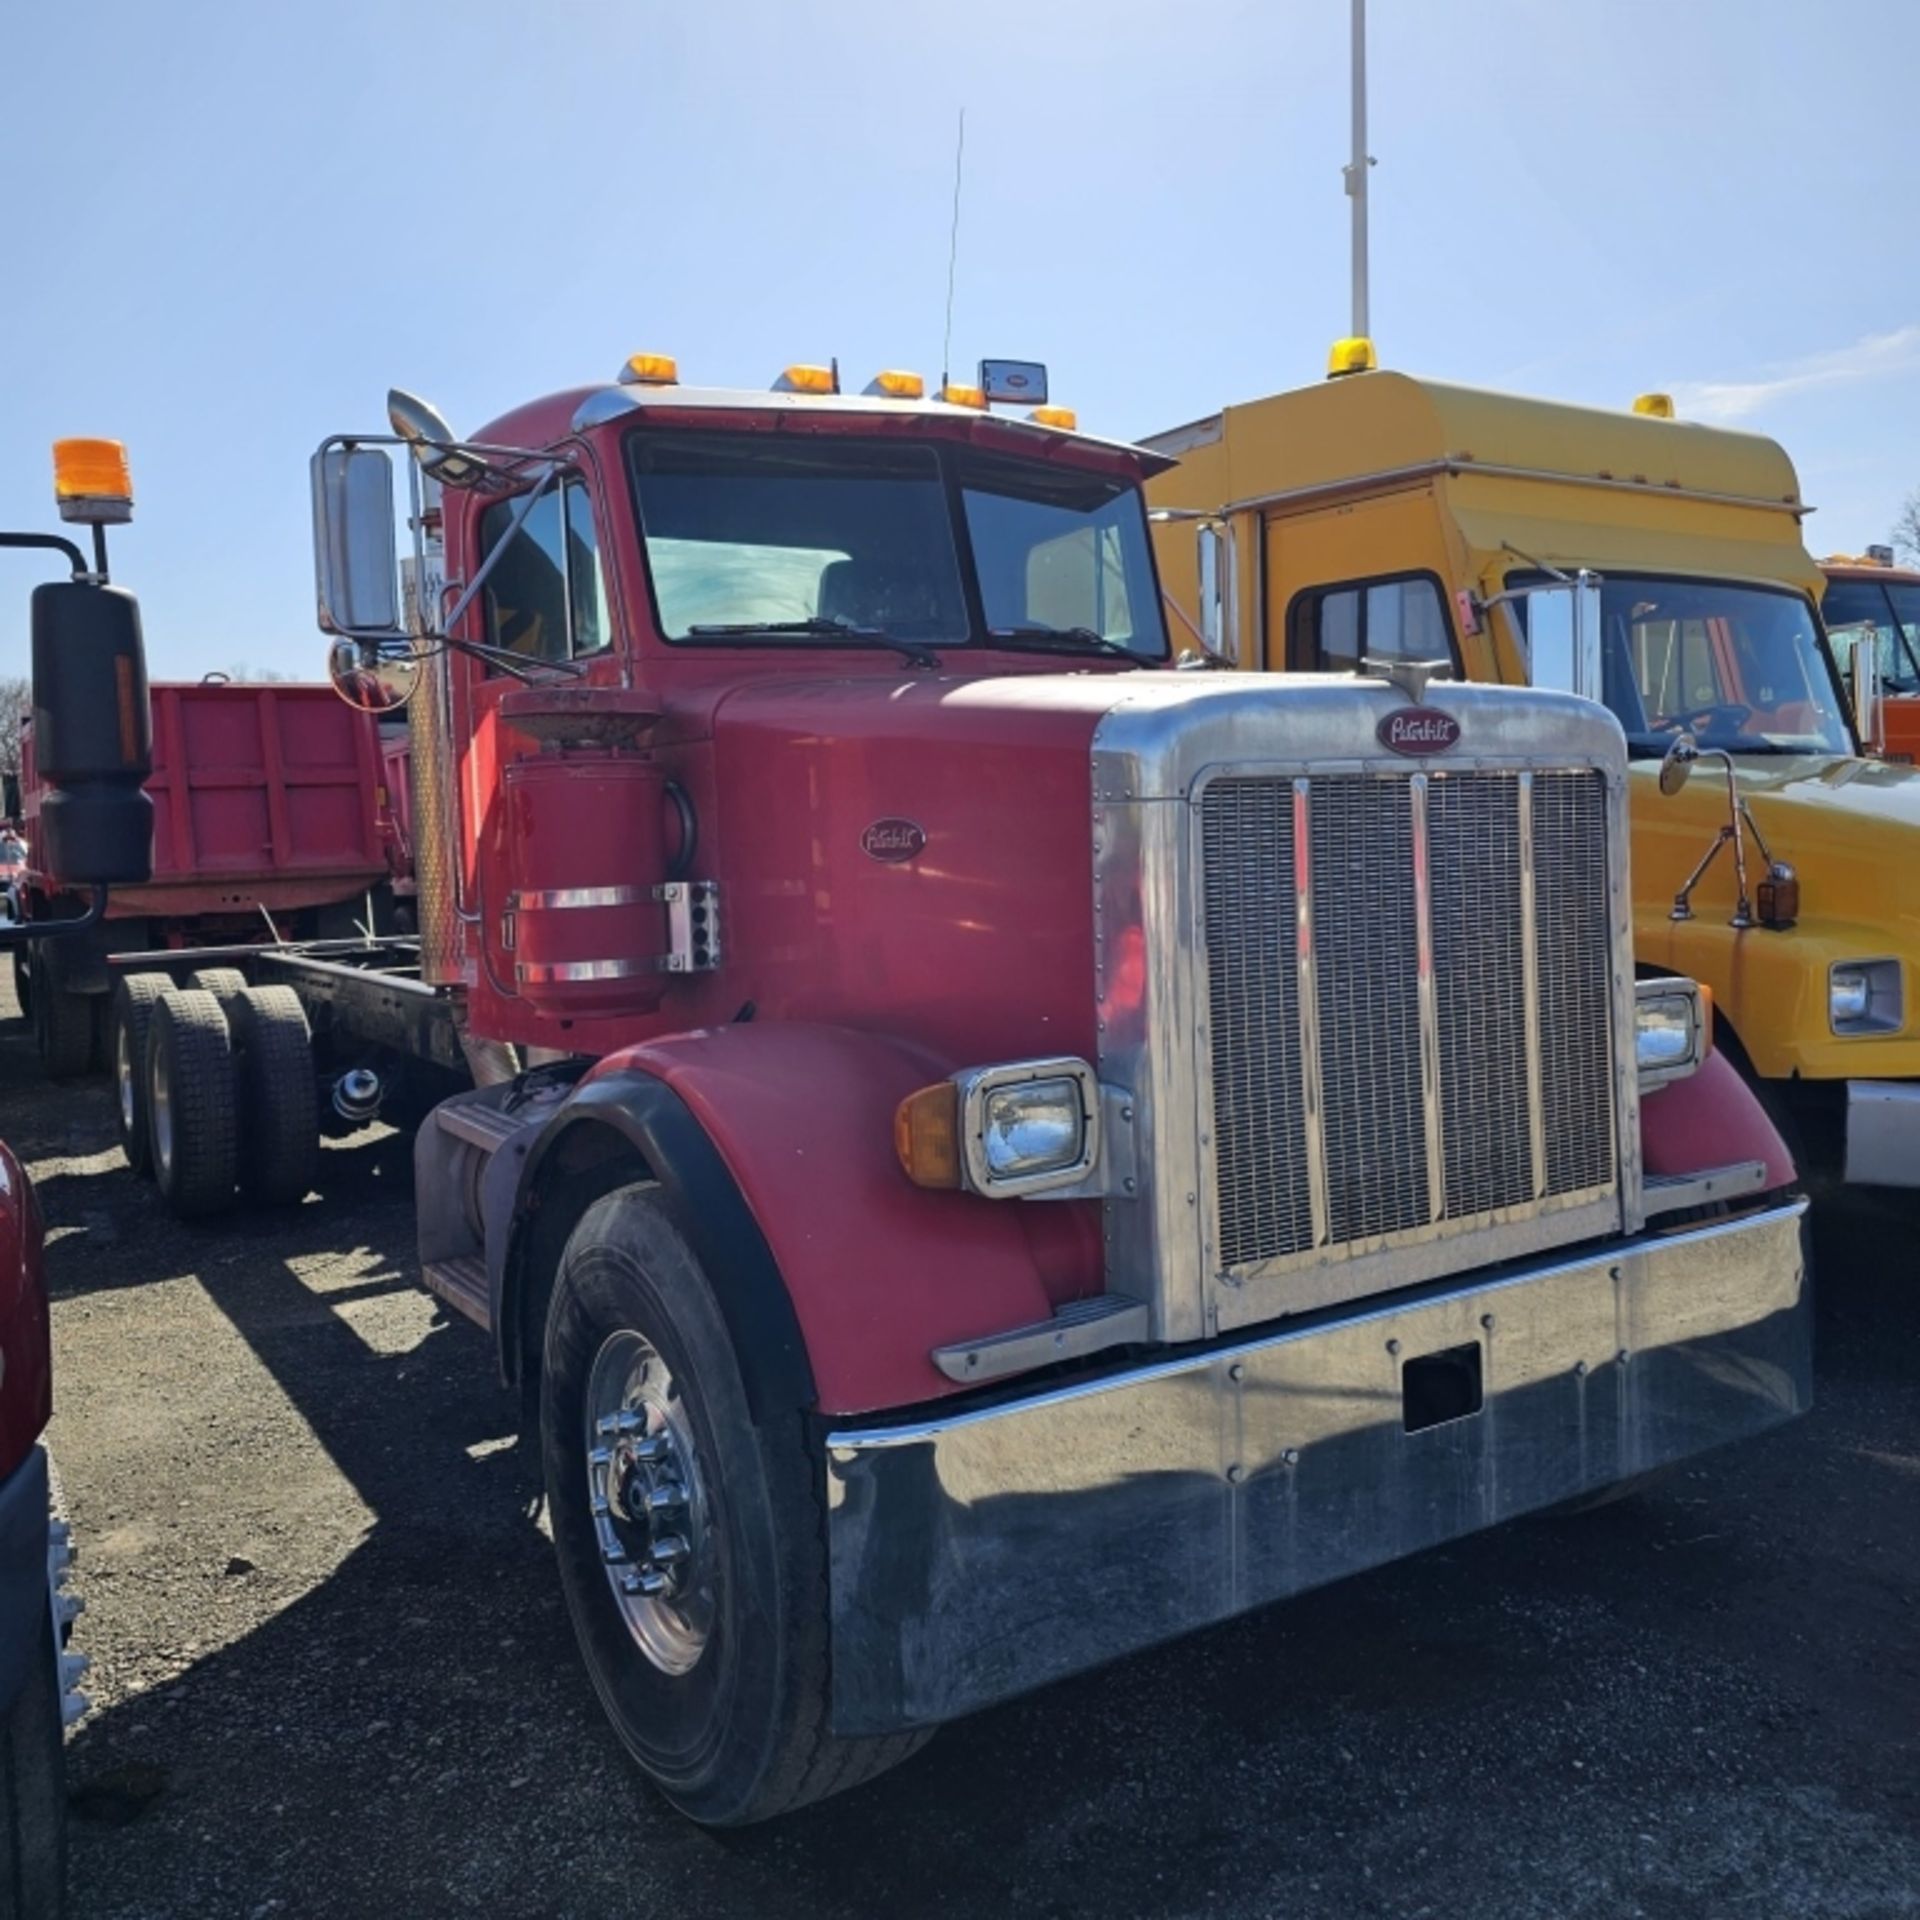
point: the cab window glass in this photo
(546, 598)
(1335, 628)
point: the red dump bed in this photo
(262, 795)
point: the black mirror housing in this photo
(92, 734)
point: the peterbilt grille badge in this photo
(1417, 731)
(893, 841)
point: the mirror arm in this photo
(1208, 657)
(19, 932)
(56, 543)
(1760, 839)
(486, 567)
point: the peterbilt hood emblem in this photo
(1417, 731)
(893, 841)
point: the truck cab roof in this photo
(577, 410)
(1384, 421)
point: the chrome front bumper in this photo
(1883, 1133)
(977, 1556)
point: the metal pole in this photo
(1356, 171)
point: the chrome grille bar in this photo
(1314, 1099)
(1530, 983)
(1435, 1125)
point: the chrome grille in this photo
(1365, 938)
(1497, 1098)
(1260, 1146)
(1570, 866)
(1480, 989)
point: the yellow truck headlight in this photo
(1672, 1030)
(1864, 996)
(1026, 1127)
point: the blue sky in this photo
(230, 227)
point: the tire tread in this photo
(189, 1026)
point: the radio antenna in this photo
(953, 251)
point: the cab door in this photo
(1366, 579)
(544, 608)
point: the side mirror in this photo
(10, 796)
(1678, 763)
(372, 681)
(1869, 717)
(1563, 636)
(355, 558)
(93, 734)
(1218, 574)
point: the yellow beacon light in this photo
(650, 370)
(892, 384)
(808, 380)
(92, 483)
(1656, 406)
(1062, 417)
(964, 396)
(1354, 354)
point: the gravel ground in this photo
(333, 1675)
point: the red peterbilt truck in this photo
(265, 826)
(987, 1153)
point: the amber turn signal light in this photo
(926, 1135)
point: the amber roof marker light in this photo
(93, 487)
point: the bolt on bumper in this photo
(975, 1556)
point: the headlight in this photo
(1028, 1127)
(1864, 996)
(1672, 1030)
(1036, 1128)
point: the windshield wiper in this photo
(1079, 640)
(824, 625)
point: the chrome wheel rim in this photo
(123, 1078)
(160, 1119)
(648, 1502)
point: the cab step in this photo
(462, 1283)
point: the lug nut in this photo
(669, 1550)
(611, 1425)
(647, 1583)
(663, 1499)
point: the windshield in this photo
(1891, 609)
(841, 541)
(1741, 668)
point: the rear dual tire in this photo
(192, 1123)
(63, 1020)
(134, 1000)
(230, 1096)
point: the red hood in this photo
(915, 854)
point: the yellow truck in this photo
(1413, 528)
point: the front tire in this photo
(692, 1544)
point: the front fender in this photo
(1711, 1119)
(874, 1271)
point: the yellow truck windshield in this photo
(1741, 668)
